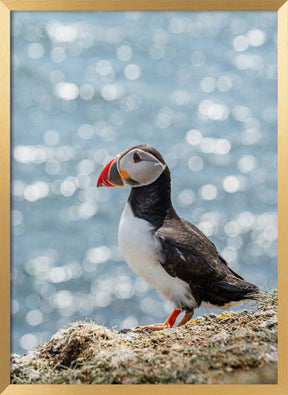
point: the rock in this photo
(234, 347)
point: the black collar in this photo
(153, 202)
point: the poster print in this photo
(201, 87)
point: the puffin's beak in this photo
(110, 176)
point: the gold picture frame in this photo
(6, 6)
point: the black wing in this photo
(189, 255)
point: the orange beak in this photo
(109, 176)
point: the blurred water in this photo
(199, 86)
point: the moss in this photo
(227, 348)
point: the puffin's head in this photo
(137, 166)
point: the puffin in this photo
(168, 252)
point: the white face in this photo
(139, 168)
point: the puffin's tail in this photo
(231, 289)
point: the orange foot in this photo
(167, 324)
(153, 327)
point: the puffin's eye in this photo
(136, 157)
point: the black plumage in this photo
(186, 252)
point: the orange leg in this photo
(172, 318)
(186, 318)
(167, 324)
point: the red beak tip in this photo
(104, 179)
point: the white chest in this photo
(138, 245)
(141, 250)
